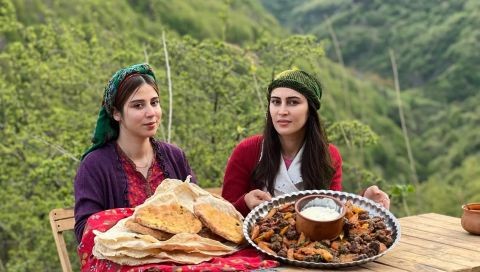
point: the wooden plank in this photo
(455, 257)
(458, 234)
(442, 218)
(422, 234)
(61, 213)
(374, 266)
(436, 245)
(65, 224)
(416, 259)
(408, 264)
(60, 242)
(433, 222)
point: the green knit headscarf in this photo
(107, 128)
(299, 81)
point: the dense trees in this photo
(56, 57)
(435, 43)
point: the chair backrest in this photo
(62, 220)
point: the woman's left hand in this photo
(377, 195)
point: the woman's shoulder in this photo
(169, 148)
(334, 152)
(102, 154)
(254, 141)
(248, 148)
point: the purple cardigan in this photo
(101, 183)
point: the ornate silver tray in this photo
(374, 209)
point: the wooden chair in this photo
(62, 220)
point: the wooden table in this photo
(429, 242)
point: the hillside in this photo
(232, 21)
(57, 56)
(436, 44)
(436, 48)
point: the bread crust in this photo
(171, 218)
(220, 222)
(158, 234)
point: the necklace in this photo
(148, 164)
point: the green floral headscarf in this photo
(107, 127)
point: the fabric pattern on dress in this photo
(139, 187)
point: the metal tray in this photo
(374, 209)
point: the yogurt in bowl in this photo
(319, 213)
(319, 217)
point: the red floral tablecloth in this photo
(243, 260)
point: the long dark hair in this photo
(316, 169)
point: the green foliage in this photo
(8, 20)
(52, 79)
(352, 133)
(437, 57)
(57, 57)
(436, 42)
(400, 192)
(446, 194)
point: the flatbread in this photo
(188, 242)
(158, 234)
(207, 233)
(171, 218)
(220, 222)
(172, 256)
(165, 229)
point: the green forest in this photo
(413, 135)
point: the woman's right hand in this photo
(255, 197)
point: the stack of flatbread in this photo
(181, 222)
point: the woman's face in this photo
(141, 113)
(289, 112)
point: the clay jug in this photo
(471, 218)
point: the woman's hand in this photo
(255, 197)
(377, 195)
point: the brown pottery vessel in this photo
(471, 218)
(319, 230)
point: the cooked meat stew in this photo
(363, 236)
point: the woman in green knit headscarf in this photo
(293, 154)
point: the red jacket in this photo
(242, 162)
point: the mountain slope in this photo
(436, 44)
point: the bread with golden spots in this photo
(171, 218)
(133, 226)
(220, 222)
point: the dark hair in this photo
(126, 88)
(316, 170)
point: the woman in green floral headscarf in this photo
(125, 164)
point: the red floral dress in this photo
(139, 189)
